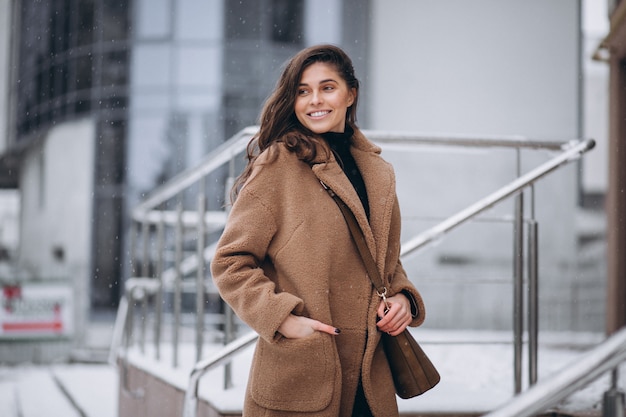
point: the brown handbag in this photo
(413, 372)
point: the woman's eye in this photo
(329, 88)
(302, 92)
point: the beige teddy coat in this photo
(287, 249)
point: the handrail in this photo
(214, 160)
(239, 141)
(583, 370)
(486, 203)
(576, 149)
(220, 357)
(483, 141)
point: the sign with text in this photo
(36, 310)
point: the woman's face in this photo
(322, 99)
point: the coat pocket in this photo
(294, 374)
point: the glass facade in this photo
(166, 82)
(73, 62)
(74, 57)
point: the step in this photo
(36, 393)
(83, 390)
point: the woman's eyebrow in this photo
(321, 82)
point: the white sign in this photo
(36, 310)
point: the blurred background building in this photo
(101, 101)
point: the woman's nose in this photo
(316, 98)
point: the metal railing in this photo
(572, 152)
(153, 215)
(587, 368)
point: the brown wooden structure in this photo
(613, 51)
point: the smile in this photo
(319, 113)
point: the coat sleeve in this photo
(401, 284)
(237, 267)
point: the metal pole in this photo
(200, 272)
(177, 284)
(613, 399)
(518, 291)
(229, 336)
(158, 322)
(229, 319)
(533, 300)
(533, 291)
(144, 246)
(518, 286)
(134, 231)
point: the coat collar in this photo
(380, 184)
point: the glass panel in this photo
(198, 66)
(199, 19)
(243, 19)
(84, 69)
(153, 19)
(150, 65)
(116, 22)
(85, 29)
(287, 21)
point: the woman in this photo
(286, 262)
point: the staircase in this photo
(172, 322)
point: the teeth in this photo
(318, 113)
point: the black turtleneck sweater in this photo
(340, 145)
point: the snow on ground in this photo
(476, 371)
(476, 376)
(38, 391)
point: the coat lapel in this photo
(381, 190)
(380, 184)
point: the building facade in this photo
(106, 100)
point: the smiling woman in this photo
(323, 99)
(286, 262)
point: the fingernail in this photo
(337, 331)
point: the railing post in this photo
(145, 232)
(229, 316)
(518, 283)
(613, 400)
(518, 290)
(158, 303)
(134, 261)
(177, 283)
(200, 271)
(533, 291)
(145, 272)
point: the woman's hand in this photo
(297, 327)
(395, 320)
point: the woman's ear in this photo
(352, 97)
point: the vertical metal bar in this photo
(518, 294)
(614, 400)
(200, 270)
(158, 307)
(145, 262)
(229, 336)
(177, 284)
(133, 248)
(134, 231)
(518, 286)
(142, 317)
(533, 300)
(145, 272)
(229, 316)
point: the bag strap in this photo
(361, 244)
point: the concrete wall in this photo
(56, 182)
(483, 68)
(5, 51)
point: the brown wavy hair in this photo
(278, 122)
